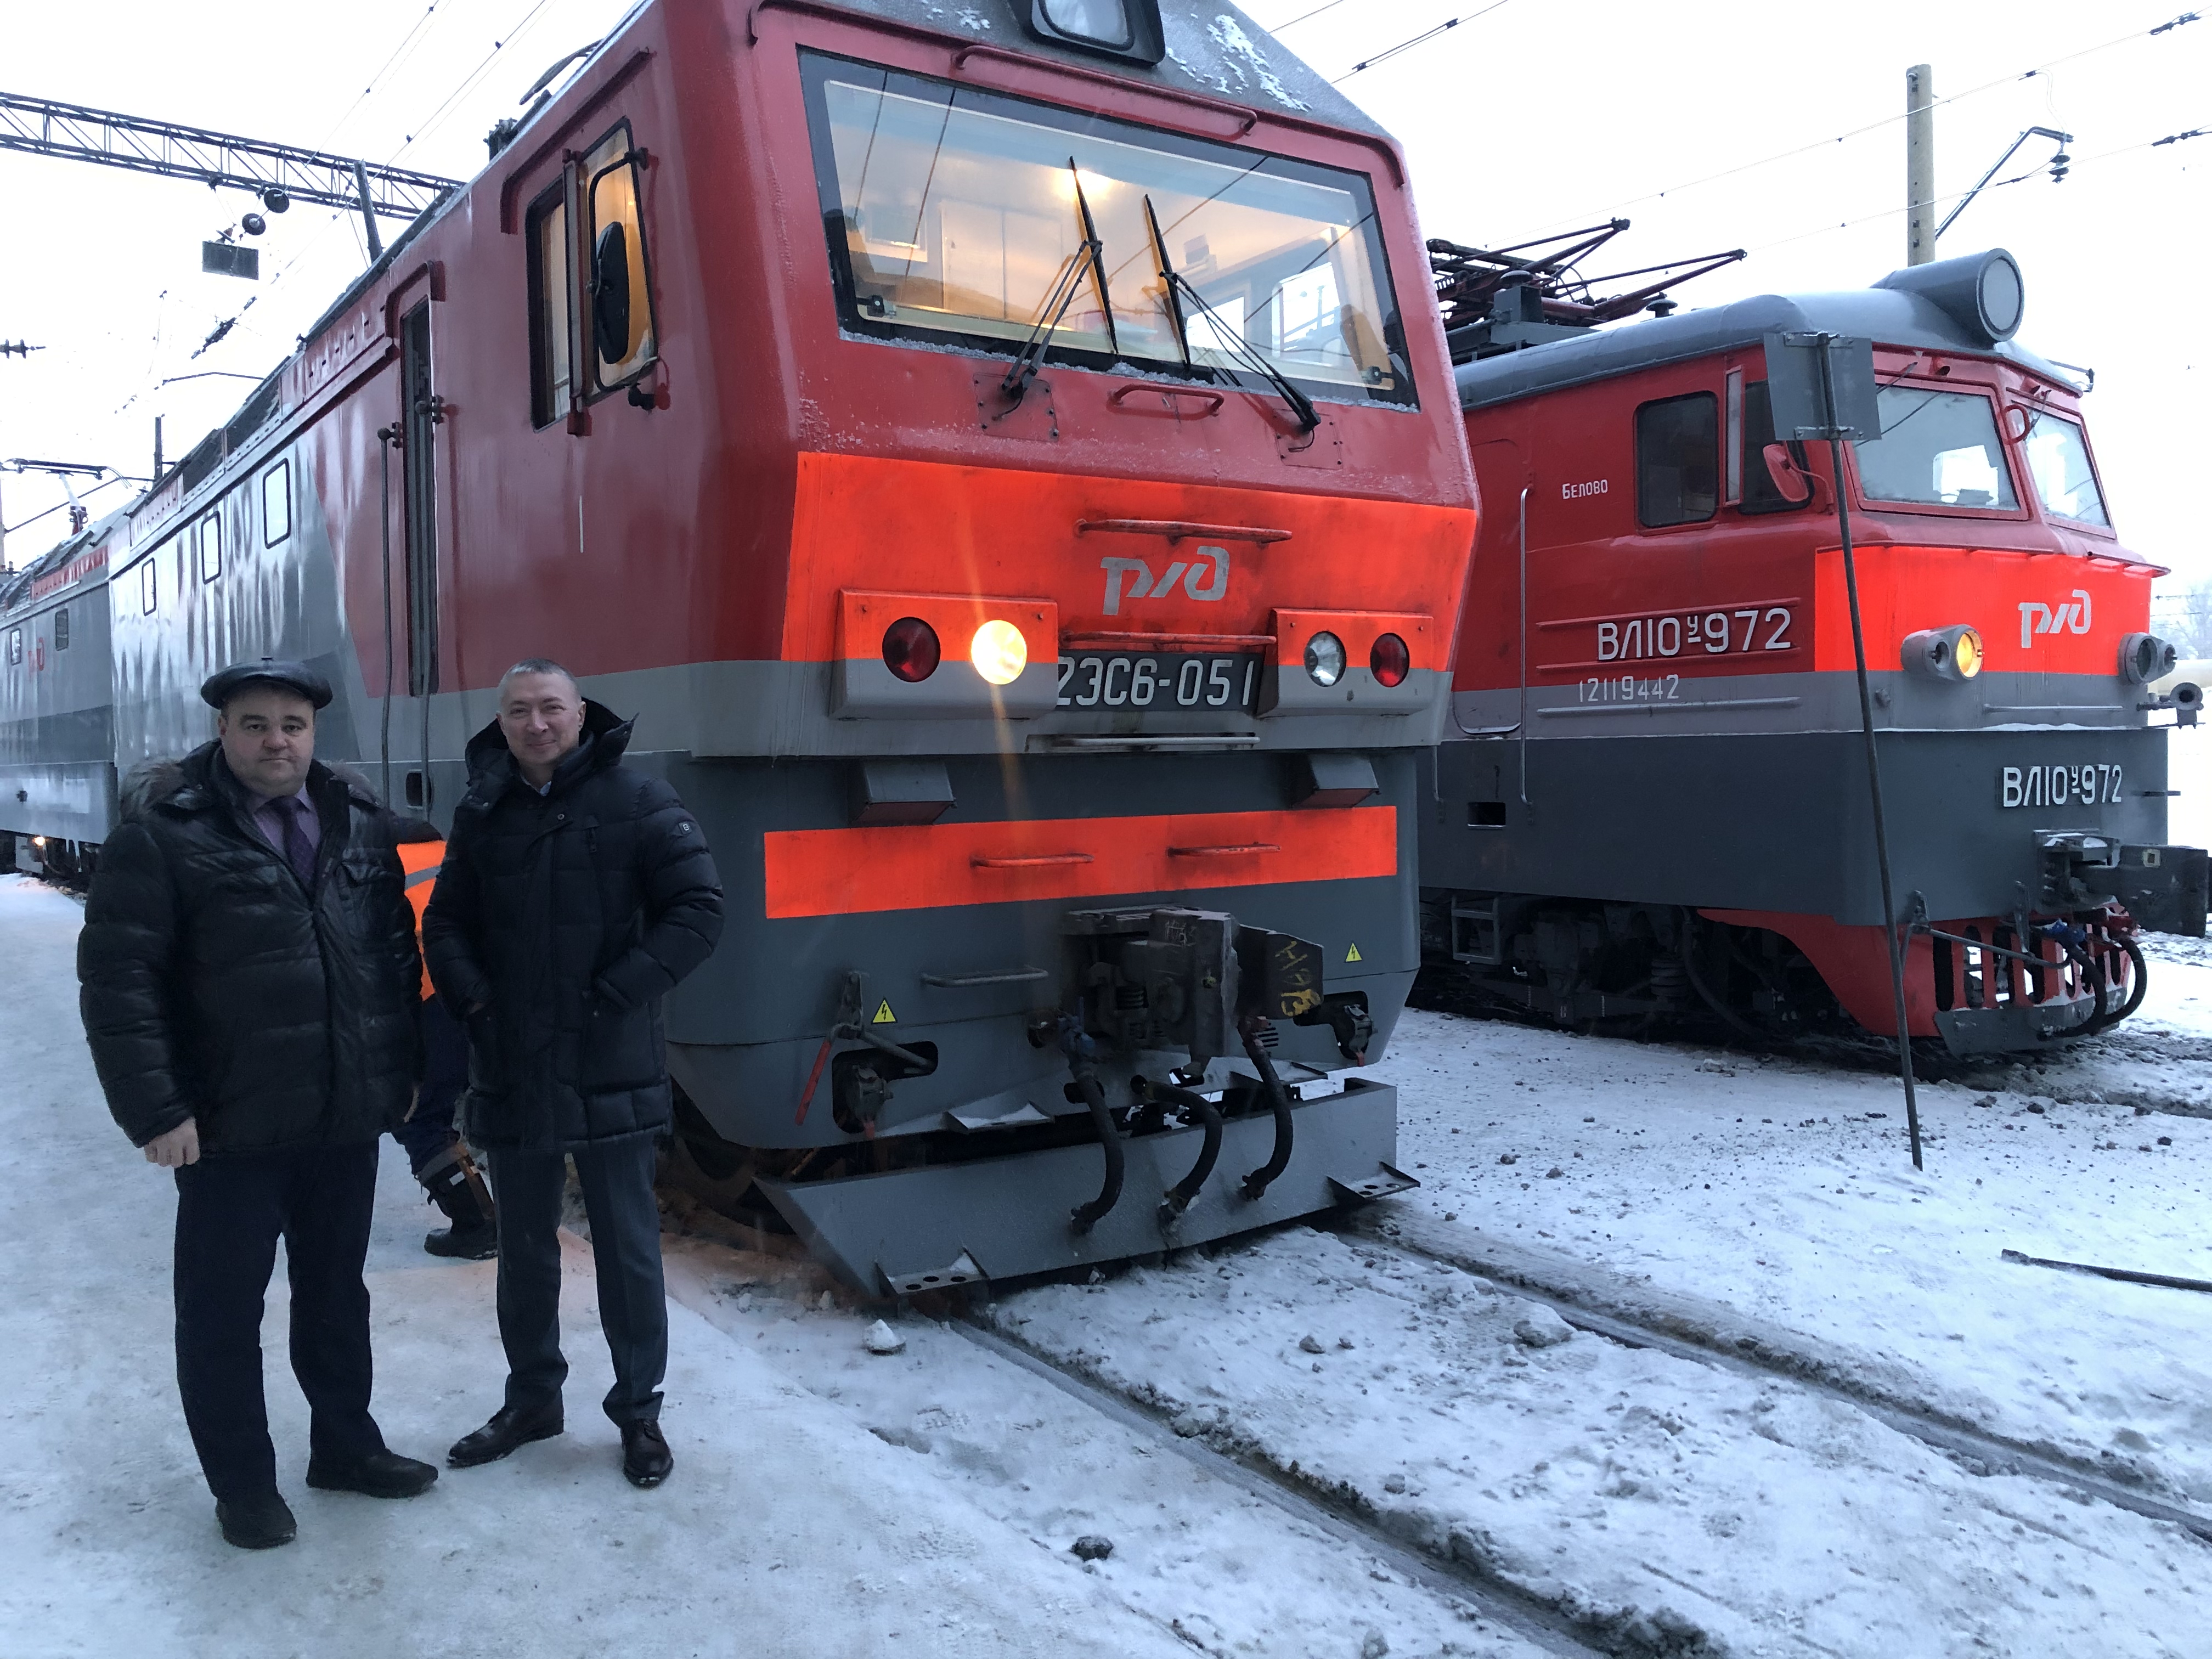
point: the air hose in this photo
(1195, 1105)
(1279, 1099)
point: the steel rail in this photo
(1980, 1450)
(1307, 1502)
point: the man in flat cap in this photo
(249, 972)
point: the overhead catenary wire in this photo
(1891, 213)
(1421, 39)
(1887, 120)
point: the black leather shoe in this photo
(510, 1426)
(379, 1474)
(646, 1457)
(260, 1522)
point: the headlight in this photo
(1325, 659)
(999, 652)
(911, 650)
(2145, 658)
(1390, 661)
(1953, 653)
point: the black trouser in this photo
(618, 1181)
(232, 1207)
(427, 1132)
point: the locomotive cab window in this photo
(1937, 449)
(960, 217)
(546, 239)
(61, 628)
(1678, 478)
(14, 646)
(211, 548)
(277, 503)
(146, 587)
(619, 342)
(2058, 462)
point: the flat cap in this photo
(222, 686)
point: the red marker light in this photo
(911, 650)
(1390, 661)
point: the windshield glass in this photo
(961, 217)
(1936, 448)
(2058, 461)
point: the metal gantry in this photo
(40, 126)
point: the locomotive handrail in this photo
(1226, 852)
(967, 982)
(1169, 641)
(1212, 399)
(1176, 530)
(1038, 860)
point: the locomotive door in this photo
(1496, 620)
(422, 412)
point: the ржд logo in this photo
(2036, 617)
(1143, 588)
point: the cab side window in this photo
(620, 343)
(546, 233)
(61, 628)
(1678, 461)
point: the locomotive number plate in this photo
(2087, 785)
(1159, 679)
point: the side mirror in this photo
(1788, 478)
(610, 294)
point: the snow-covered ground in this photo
(826, 1498)
(788, 1529)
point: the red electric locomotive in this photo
(1652, 798)
(1004, 458)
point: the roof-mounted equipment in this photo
(1499, 300)
(1127, 29)
(1983, 293)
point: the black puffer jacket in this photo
(215, 987)
(559, 922)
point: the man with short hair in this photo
(249, 970)
(575, 893)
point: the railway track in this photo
(1714, 1336)
(1335, 1513)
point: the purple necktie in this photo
(298, 853)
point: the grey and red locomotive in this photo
(1651, 800)
(999, 458)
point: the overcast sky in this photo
(1532, 117)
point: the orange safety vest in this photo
(421, 860)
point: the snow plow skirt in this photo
(2015, 1029)
(940, 1225)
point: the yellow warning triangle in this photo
(884, 1014)
(1353, 955)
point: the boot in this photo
(457, 1187)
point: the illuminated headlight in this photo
(2145, 658)
(999, 652)
(1325, 659)
(1952, 654)
(38, 840)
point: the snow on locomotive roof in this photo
(1212, 49)
(1887, 315)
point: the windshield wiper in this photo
(1090, 256)
(1230, 340)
